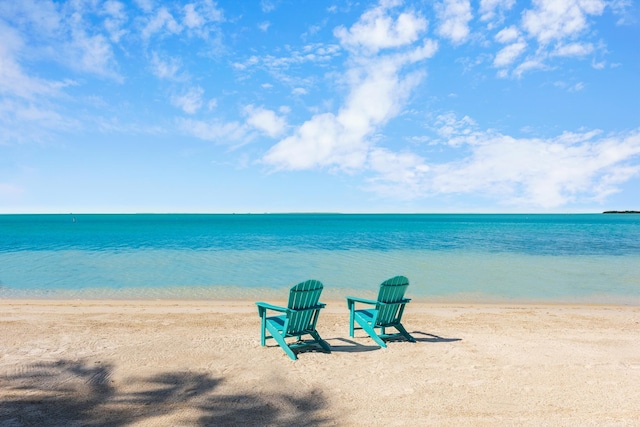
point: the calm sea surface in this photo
(474, 258)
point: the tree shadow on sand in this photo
(77, 393)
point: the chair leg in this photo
(404, 333)
(281, 342)
(369, 329)
(351, 315)
(325, 345)
(263, 331)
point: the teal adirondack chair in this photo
(387, 311)
(299, 318)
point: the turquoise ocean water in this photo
(583, 258)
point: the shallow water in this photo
(479, 258)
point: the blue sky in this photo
(319, 106)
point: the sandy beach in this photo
(190, 363)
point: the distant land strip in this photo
(621, 212)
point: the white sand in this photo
(141, 363)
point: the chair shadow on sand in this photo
(433, 338)
(346, 346)
(351, 346)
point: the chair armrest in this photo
(402, 301)
(319, 306)
(352, 300)
(263, 307)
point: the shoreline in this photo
(186, 362)
(332, 299)
(332, 304)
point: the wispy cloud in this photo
(493, 10)
(236, 133)
(537, 173)
(14, 80)
(166, 68)
(62, 34)
(213, 130)
(190, 101)
(115, 20)
(161, 22)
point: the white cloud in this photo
(555, 20)
(377, 30)
(553, 28)
(190, 102)
(507, 55)
(525, 172)
(507, 35)
(377, 90)
(198, 17)
(454, 16)
(265, 120)
(328, 140)
(573, 49)
(318, 142)
(536, 63)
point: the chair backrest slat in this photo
(391, 291)
(303, 295)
